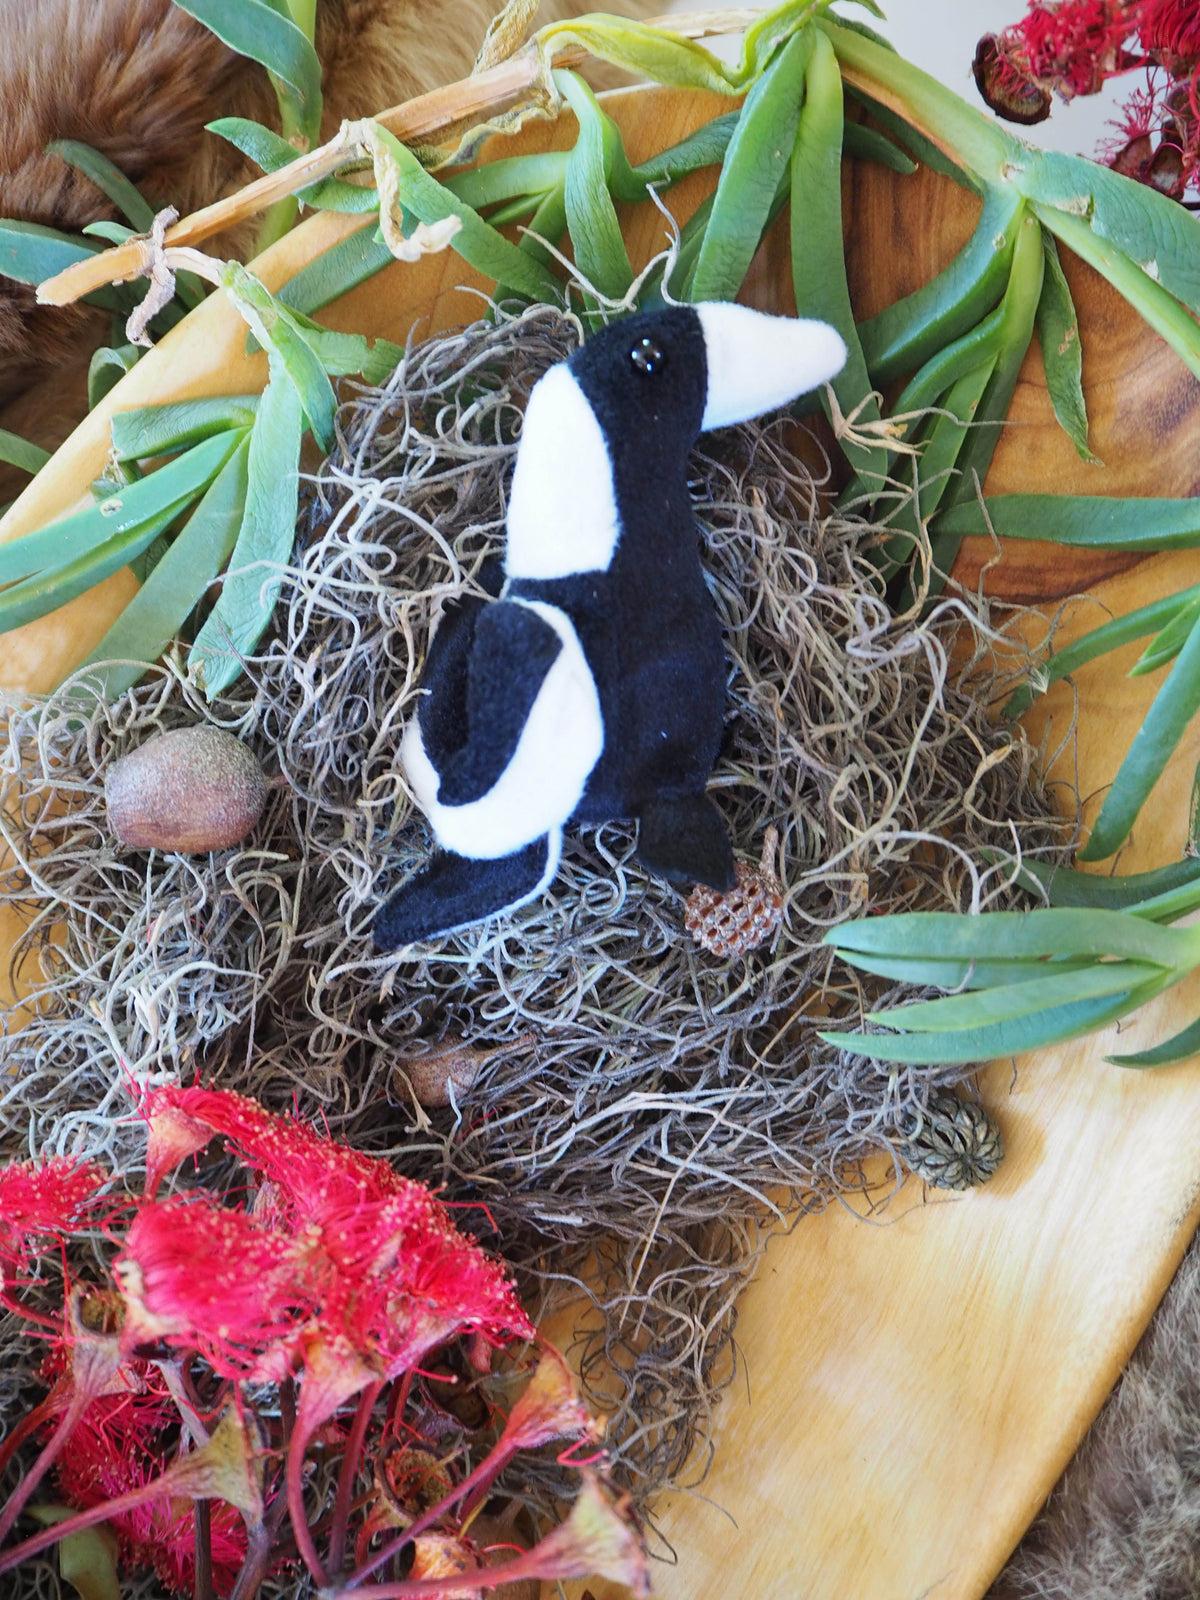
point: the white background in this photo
(940, 36)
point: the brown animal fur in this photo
(138, 79)
(1124, 1521)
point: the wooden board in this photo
(915, 1381)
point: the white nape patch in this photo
(757, 362)
(562, 512)
(543, 783)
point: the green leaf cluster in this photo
(1017, 981)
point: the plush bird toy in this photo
(592, 687)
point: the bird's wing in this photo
(482, 687)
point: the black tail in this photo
(454, 891)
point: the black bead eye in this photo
(646, 356)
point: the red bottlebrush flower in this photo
(314, 1172)
(40, 1200)
(1153, 144)
(1171, 29)
(1071, 47)
(405, 1279)
(347, 1271)
(118, 1447)
(1064, 47)
(202, 1276)
(386, 1269)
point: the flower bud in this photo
(192, 790)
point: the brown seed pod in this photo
(745, 917)
(1010, 92)
(452, 1065)
(191, 790)
(955, 1144)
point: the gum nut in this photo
(192, 790)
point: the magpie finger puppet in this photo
(592, 688)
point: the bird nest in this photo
(628, 1113)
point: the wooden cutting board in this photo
(913, 1379)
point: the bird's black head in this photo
(646, 379)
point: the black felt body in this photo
(487, 662)
(454, 891)
(647, 625)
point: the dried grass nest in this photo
(648, 1111)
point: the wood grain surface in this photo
(913, 1379)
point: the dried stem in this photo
(202, 1516)
(351, 1457)
(417, 121)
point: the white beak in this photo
(757, 362)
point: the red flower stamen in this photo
(208, 1278)
(45, 1200)
(1171, 28)
(119, 1447)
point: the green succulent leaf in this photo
(1159, 236)
(107, 367)
(108, 178)
(113, 232)
(1173, 707)
(707, 147)
(148, 431)
(258, 31)
(155, 615)
(1183, 1046)
(282, 335)
(335, 272)
(1062, 354)
(1012, 936)
(1066, 886)
(600, 251)
(818, 257)
(1009, 1002)
(935, 974)
(756, 164)
(18, 452)
(264, 541)
(477, 242)
(1099, 641)
(867, 144)
(150, 503)
(1094, 522)
(1169, 640)
(1050, 1027)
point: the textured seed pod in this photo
(191, 790)
(452, 1066)
(956, 1144)
(1005, 87)
(743, 918)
